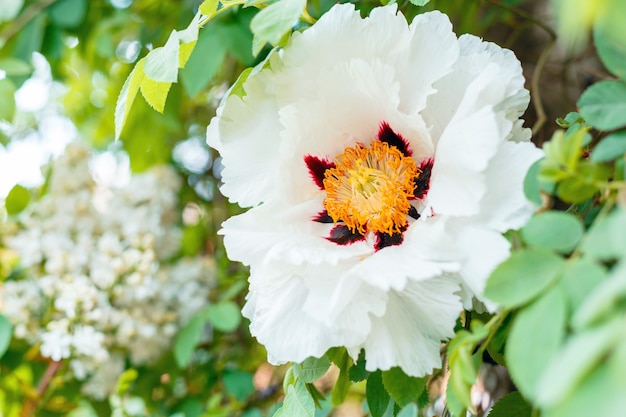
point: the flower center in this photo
(369, 188)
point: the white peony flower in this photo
(381, 162)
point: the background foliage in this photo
(561, 331)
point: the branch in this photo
(23, 19)
(30, 405)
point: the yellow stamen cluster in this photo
(370, 187)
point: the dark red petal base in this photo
(317, 168)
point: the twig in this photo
(534, 87)
(30, 406)
(23, 19)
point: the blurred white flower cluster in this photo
(99, 287)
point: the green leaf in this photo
(575, 190)
(536, 335)
(224, 316)
(238, 384)
(526, 274)
(125, 382)
(127, 96)
(10, 9)
(208, 7)
(342, 385)
(298, 402)
(204, 62)
(14, 67)
(155, 93)
(16, 200)
(611, 147)
(274, 21)
(357, 372)
(377, 397)
(609, 33)
(579, 278)
(420, 2)
(403, 389)
(554, 230)
(410, 410)
(312, 369)
(187, 339)
(7, 100)
(606, 239)
(162, 62)
(511, 405)
(68, 13)
(453, 403)
(6, 332)
(601, 393)
(579, 356)
(604, 301)
(603, 105)
(533, 187)
(30, 38)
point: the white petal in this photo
(284, 232)
(249, 149)
(416, 321)
(430, 56)
(484, 250)
(288, 308)
(504, 205)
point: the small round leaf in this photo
(555, 230)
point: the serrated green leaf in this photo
(7, 100)
(162, 62)
(609, 148)
(403, 389)
(526, 274)
(127, 96)
(187, 339)
(554, 230)
(6, 333)
(16, 200)
(312, 369)
(298, 402)
(224, 315)
(358, 372)
(155, 93)
(603, 105)
(575, 360)
(377, 397)
(511, 405)
(271, 23)
(536, 335)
